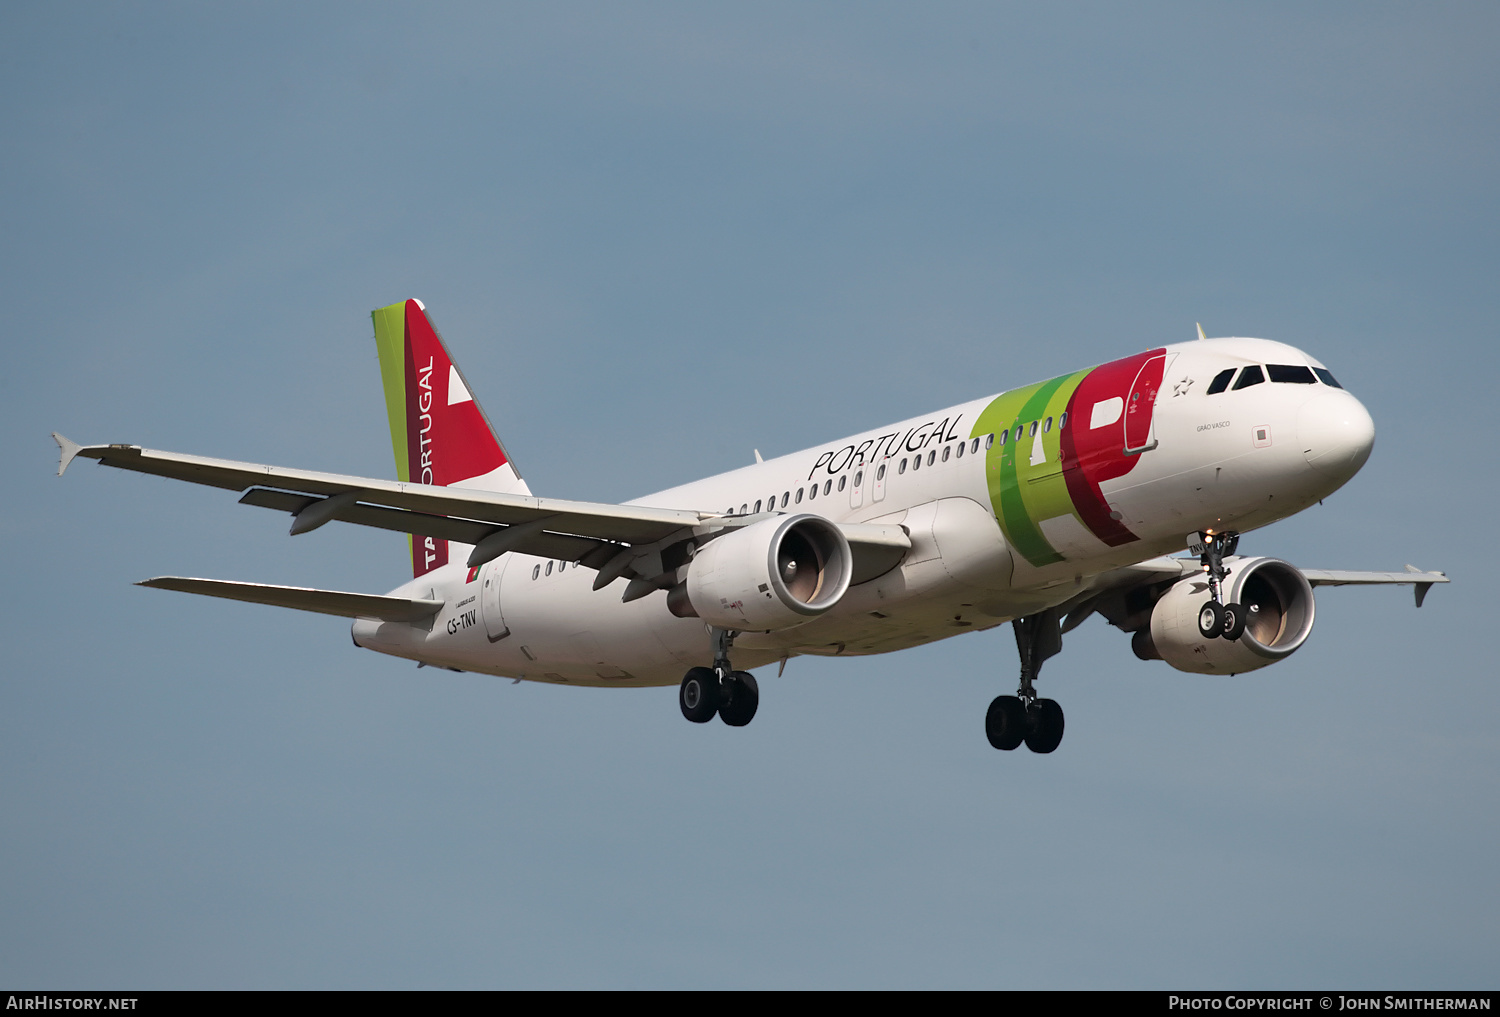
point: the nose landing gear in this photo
(705, 691)
(1217, 618)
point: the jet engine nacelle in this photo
(770, 575)
(1278, 603)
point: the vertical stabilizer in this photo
(439, 433)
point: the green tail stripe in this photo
(390, 341)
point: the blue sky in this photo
(658, 236)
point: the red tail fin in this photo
(439, 433)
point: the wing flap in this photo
(544, 544)
(301, 598)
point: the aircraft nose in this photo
(1336, 433)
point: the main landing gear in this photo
(706, 691)
(1023, 717)
(1217, 618)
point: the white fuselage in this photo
(1233, 460)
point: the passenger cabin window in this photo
(842, 480)
(828, 485)
(757, 504)
(1221, 381)
(974, 446)
(1047, 425)
(1291, 374)
(961, 446)
(812, 492)
(916, 462)
(1251, 376)
(1062, 421)
(880, 473)
(932, 457)
(947, 451)
(902, 467)
(784, 496)
(989, 440)
(1326, 378)
(858, 478)
(798, 499)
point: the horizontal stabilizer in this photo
(300, 598)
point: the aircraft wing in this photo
(1158, 568)
(348, 605)
(1105, 592)
(633, 524)
(633, 541)
(1413, 576)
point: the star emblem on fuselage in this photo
(1181, 387)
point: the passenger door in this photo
(1140, 406)
(489, 599)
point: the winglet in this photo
(1419, 589)
(1200, 331)
(69, 450)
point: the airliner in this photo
(1120, 490)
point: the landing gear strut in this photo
(706, 691)
(1024, 717)
(1217, 618)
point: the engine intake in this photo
(770, 575)
(1279, 607)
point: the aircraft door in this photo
(489, 599)
(1140, 406)
(877, 488)
(857, 490)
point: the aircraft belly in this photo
(564, 630)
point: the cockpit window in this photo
(1251, 376)
(1291, 374)
(1327, 378)
(1221, 381)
